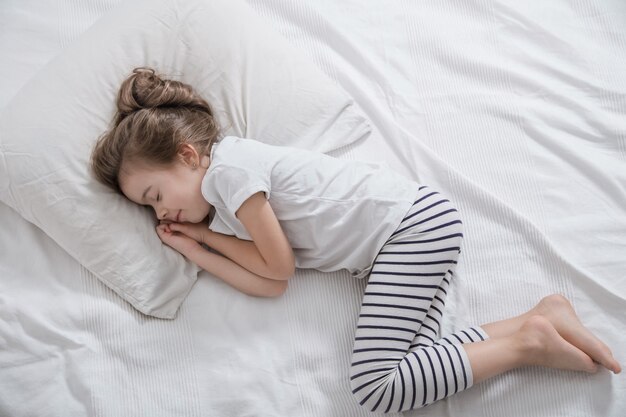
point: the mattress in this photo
(514, 110)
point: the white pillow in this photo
(232, 57)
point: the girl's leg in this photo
(535, 343)
(399, 361)
(560, 314)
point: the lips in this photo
(178, 216)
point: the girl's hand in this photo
(178, 241)
(196, 231)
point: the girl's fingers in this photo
(182, 229)
(162, 229)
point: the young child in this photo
(267, 209)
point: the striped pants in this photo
(400, 361)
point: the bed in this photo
(516, 111)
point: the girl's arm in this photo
(269, 254)
(235, 275)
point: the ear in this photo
(188, 155)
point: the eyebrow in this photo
(143, 197)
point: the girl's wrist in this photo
(206, 237)
(194, 253)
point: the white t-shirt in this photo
(335, 213)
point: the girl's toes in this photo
(614, 366)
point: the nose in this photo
(161, 213)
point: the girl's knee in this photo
(454, 217)
(454, 225)
(382, 392)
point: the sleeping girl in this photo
(265, 210)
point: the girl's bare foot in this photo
(543, 346)
(560, 313)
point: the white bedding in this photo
(515, 111)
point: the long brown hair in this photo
(155, 118)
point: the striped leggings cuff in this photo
(469, 335)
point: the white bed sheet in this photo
(515, 111)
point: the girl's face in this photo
(174, 193)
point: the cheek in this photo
(202, 206)
(189, 199)
(200, 202)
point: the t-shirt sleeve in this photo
(235, 185)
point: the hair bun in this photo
(145, 89)
(136, 89)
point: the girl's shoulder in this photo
(229, 148)
(243, 153)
